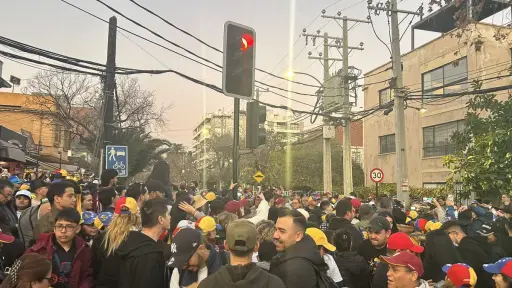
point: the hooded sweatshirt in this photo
(476, 251)
(246, 276)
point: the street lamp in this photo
(291, 74)
(60, 159)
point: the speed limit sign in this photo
(376, 175)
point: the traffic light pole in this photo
(109, 86)
(236, 142)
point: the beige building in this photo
(442, 66)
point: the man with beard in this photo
(375, 246)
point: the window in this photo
(56, 135)
(66, 139)
(433, 185)
(453, 76)
(356, 157)
(437, 140)
(385, 96)
(387, 144)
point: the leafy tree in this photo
(483, 161)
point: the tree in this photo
(483, 161)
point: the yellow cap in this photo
(206, 224)
(25, 187)
(413, 214)
(320, 238)
(210, 196)
(431, 226)
(63, 172)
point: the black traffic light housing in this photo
(256, 134)
(239, 61)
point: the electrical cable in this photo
(375, 32)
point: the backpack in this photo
(27, 223)
(322, 280)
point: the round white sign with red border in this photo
(377, 175)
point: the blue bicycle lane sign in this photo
(117, 159)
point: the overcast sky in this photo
(55, 26)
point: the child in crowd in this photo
(23, 201)
(89, 229)
(70, 255)
(105, 219)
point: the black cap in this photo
(485, 229)
(379, 223)
(184, 245)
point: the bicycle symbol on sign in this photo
(119, 165)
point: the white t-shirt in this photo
(175, 278)
(333, 271)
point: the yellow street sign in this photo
(258, 176)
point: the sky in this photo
(55, 26)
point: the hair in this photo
(507, 280)
(76, 187)
(118, 231)
(298, 219)
(265, 229)
(176, 213)
(386, 203)
(451, 225)
(342, 207)
(36, 184)
(325, 204)
(57, 189)
(107, 175)
(506, 195)
(136, 190)
(33, 268)
(6, 183)
(342, 240)
(216, 207)
(241, 254)
(68, 214)
(365, 211)
(151, 210)
(105, 196)
(120, 188)
(155, 185)
(161, 172)
(267, 251)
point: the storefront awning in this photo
(42, 165)
(9, 152)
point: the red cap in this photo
(356, 203)
(126, 205)
(232, 207)
(420, 224)
(405, 259)
(280, 201)
(401, 241)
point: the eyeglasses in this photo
(66, 228)
(51, 280)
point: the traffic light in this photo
(255, 133)
(239, 61)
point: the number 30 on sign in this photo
(376, 175)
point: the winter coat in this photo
(27, 223)
(246, 276)
(138, 259)
(476, 251)
(9, 215)
(294, 267)
(337, 223)
(45, 223)
(353, 268)
(81, 271)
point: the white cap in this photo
(304, 212)
(96, 181)
(24, 193)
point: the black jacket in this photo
(476, 251)
(293, 267)
(354, 269)
(337, 223)
(246, 276)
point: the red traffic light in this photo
(246, 42)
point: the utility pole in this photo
(402, 181)
(109, 86)
(236, 142)
(327, 123)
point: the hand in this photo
(187, 208)
(450, 202)
(232, 186)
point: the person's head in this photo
(241, 241)
(505, 198)
(23, 200)
(441, 200)
(125, 220)
(62, 195)
(280, 202)
(321, 241)
(190, 251)
(266, 230)
(305, 201)
(121, 190)
(405, 270)
(107, 196)
(39, 187)
(6, 191)
(296, 204)
(86, 201)
(30, 271)
(454, 230)
(502, 271)
(216, 207)
(139, 192)
(156, 189)
(379, 231)
(313, 201)
(67, 225)
(342, 240)
(109, 178)
(386, 204)
(208, 226)
(387, 215)
(76, 187)
(162, 172)
(155, 214)
(366, 212)
(88, 227)
(400, 241)
(325, 206)
(459, 275)
(345, 210)
(267, 251)
(290, 229)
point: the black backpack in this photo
(322, 280)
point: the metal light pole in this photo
(60, 159)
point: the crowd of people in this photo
(64, 233)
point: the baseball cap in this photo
(232, 206)
(184, 245)
(241, 235)
(503, 266)
(420, 224)
(199, 201)
(412, 214)
(431, 226)
(63, 172)
(460, 274)
(304, 213)
(24, 193)
(95, 181)
(126, 205)
(5, 238)
(280, 201)
(405, 259)
(25, 187)
(15, 180)
(206, 224)
(88, 217)
(490, 228)
(315, 197)
(320, 238)
(379, 223)
(210, 196)
(356, 203)
(402, 241)
(183, 224)
(105, 218)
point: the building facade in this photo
(430, 73)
